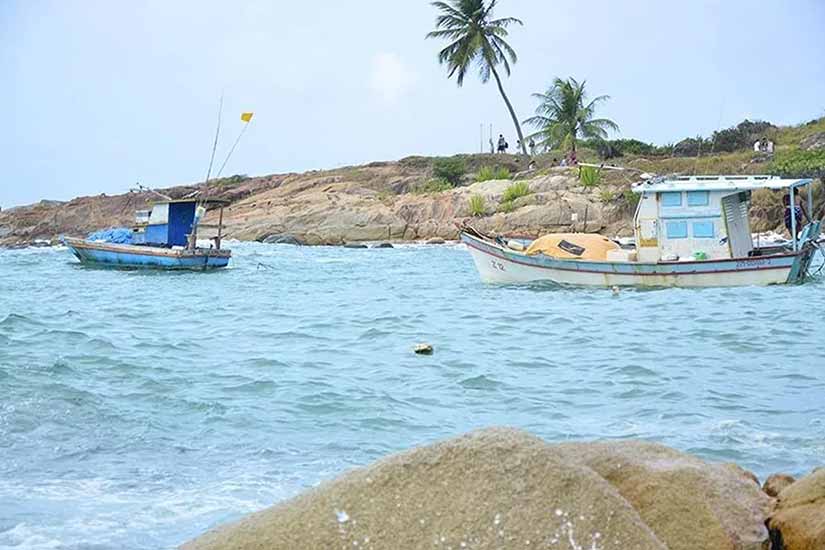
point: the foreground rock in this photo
(777, 483)
(799, 520)
(688, 503)
(501, 488)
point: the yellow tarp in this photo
(578, 246)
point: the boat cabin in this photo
(174, 223)
(702, 217)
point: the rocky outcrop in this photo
(799, 520)
(376, 202)
(814, 142)
(501, 488)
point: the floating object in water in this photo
(676, 217)
(615, 290)
(423, 349)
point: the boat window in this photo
(672, 199)
(676, 230)
(703, 230)
(698, 198)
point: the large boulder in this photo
(489, 489)
(688, 503)
(502, 488)
(799, 520)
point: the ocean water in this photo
(140, 408)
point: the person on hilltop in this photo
(798, 213)
(502, 143)
(532, 145)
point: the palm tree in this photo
(476, 39)
(562, 116)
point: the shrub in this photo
(515, 191)
(589, 176)
(487, 173)
(506, 207)
(478, 206)
(607, 196)
(799, 164)
(631, 198)
(435, 185)
(451, 169)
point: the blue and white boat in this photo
(689, 232)
(163, 238)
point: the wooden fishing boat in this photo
(690, 232)
(163, 238)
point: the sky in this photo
(95, 96)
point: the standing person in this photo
(492, 146)
(532, 145)
(502, 143)
(573, 159)
(798, 213)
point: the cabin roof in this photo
(717, 183)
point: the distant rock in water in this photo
(355, 245)
(383, 245)
(283, 239)
(503, 488)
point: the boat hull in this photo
(146, 257)
(496, 264)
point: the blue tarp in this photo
(118, 235)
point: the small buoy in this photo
(423, 349)
(615, 290)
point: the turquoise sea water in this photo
(140, 408)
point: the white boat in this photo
(689, 232)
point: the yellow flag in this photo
(246, 117)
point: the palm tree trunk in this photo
(512, 112)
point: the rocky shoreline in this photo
(377, 202)
(504, 488)
(382, 201)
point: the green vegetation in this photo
(506, 207)
(476, 38)
(563, 116)
(799, 164)
(435, 185)
(631, 198)
(450, 169)
(589, 176)
(478, 206)
(229, 180)
(515, 190)
(607, 196)
(487, 173)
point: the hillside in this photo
(406, 200)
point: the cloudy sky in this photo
(96, 95)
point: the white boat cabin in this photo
(700, 217)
